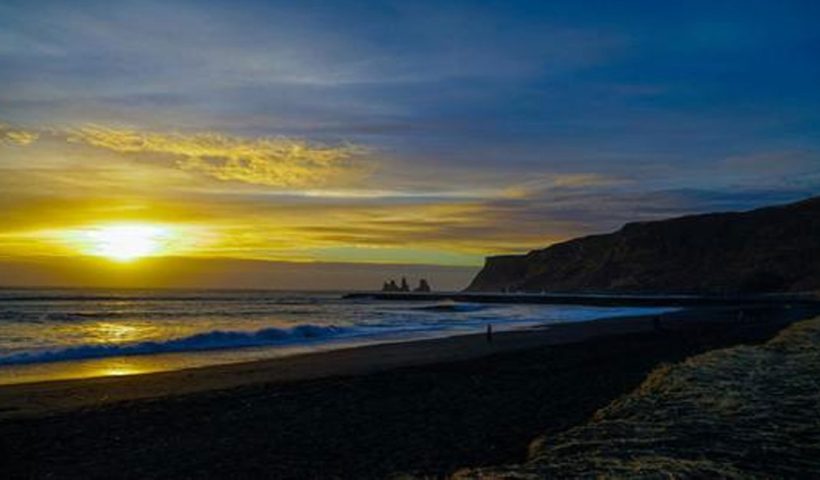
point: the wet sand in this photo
(427, 407)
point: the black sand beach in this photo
(428, 408)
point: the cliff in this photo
(774, 249)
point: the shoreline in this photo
(215, 346)
(49, 396)
(54, 396)
(425, 408)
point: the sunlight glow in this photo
(127, 242)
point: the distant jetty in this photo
(595, 299)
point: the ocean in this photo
(73, 333)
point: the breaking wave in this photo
(454, 307)
(213, 340)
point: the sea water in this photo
(72, 333)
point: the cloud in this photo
(16, 136)
(270, 161)
(559, 182)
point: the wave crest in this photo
(453, 307)
(214, 340)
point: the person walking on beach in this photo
(489, 333)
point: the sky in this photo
(308, 144)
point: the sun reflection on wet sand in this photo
(115, 366)
(144, 364)
(119, 370)
(100, 367)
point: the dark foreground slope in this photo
(743, 412)
(775, 249)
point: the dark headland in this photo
(774, 249)
(728, 388)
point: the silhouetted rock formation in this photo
(391, 286)
(775, 249)
(423, 286)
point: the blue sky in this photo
(551, 118)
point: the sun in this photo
(126, 242)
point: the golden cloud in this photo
(16, 136)
(272, 161)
